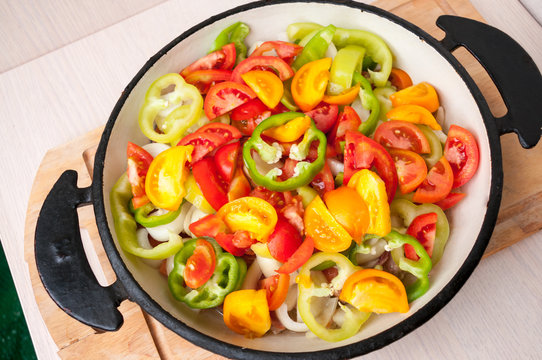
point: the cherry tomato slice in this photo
(324, 116)
(227, 132)
(285, 50)
(210, 225)
(266, 85)
(450, 200)
(226, 242)
(403, 135)
(462, 153)
(139, 161)
(220, 59)
(204, 79)
(348, 120)
(276, 288)
(203, 143)
(248, 110)
(400, 79)
(211, 185)
(323, 181)
(226, 160)
(424, 229)
(284, 240)
(437, 184)
(310, 82)
(239, 185)
(201, 265)
(283, 70)
(422, 94)
(299, 257)
(224, 97)
(350, 210)
(411, 169)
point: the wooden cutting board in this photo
(142, 337)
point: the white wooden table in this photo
(64, 64)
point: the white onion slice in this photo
(143, 241)
(377, 249)
(193, 215)
(155, 148)
(252, 277)
(284, 318)
(268, 265)
(331, 51)
(335, 166)
(169, 264)
(161, 232)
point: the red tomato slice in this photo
(324, 116)
(285, 50)
(450, 200)
(424, 229)
(212, 187)
(248, 110)
(224, 97)
(348, 120)
(360, 152)
(403, 135)
(299, 257)
(323, 181)
(411, 169)
(276, 288)
(204, 79)
(220, 59)
(210, 225)
(437, 184)
(201, 265)
(462, 153)
(284, 240)
(284, 71)
(203, 144)
(225, 131)
(139, 161)
(226, 242)
(226, 160)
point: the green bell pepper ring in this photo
(236, 34)
(173, 112)
(419, 268)
(308, 289)
(369, 102)
(305, 171)
(347, 61)
(224, 280)
(142, 217)
(407, 211)
(315, 48)
(126, 226)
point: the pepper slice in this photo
(347, 61)
(126, 226)
(142, 217)
(316, 48)
(236, 34)
(224, 279)
(173, 112)
(271, 154)
(309, 290)
(370, 102)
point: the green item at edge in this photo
(315, 48)
(236, 34)
(225, 279)
(369, 102)
(305, 170)
(142, 217)
(419, 268)
(126, 226)
(347, 61)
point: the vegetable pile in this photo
(301, 187)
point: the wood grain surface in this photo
(142, 337)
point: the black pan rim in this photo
(137, 294)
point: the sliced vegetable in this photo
(350, 210)
(423, 228)
(299, 257)
(324, 116)
(236, 34)
(316, 48)
(246, 312)
(437, 184)
(283, 70)
(284, 240)
(226, 96)
(309, 83)
(462, 153)
(211, 185)
(348, 121)
(370, 102)
(415, 114)
(266, 85)
(276, 288)
(400, 79)
(139, 161)
(222, 59)
(411, 169)
(403, 135)
(200, 266)
(422, 94)
(347, 61)
(450, 200)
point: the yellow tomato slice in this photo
(167, 174)
(371, 290)
(195, 196)
(344, 98)
(349, 209)
(422, 94)
(291, 131)
(246, 312)
(266, 85)
(310, 83)
(251, 214)
(372, 190)
(414, 114)
(321, 226)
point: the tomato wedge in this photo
(283, 70)
(345, 97)
(450, 200)
(210, 225)
(299, 257)
(224, 97)
(348, 120)
(437, 184)
(285, 50)
(422, 94)
(204, 79)
(411, 169)
(400, 79)
(310, 82)
(276, 288)
(226, 160)
(284, 240)
(350, 210)
(462, 153)
(139, 161)
(324, 116)
(360, 152)
(203, 144)
(211, 185)
(201, 265)
(220, 59)
(323, 181)
(248, 110)
(403, 135)
(424, 229)
(266, 85)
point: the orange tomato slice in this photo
(310, 83)
(414, 114)
(422, 94)
(345, 97)
(246, 312)
(349, 209)
(266, 85)
(201, 265)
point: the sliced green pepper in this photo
(173, 112)
(347, 61)
(298, 31)
(309, 289)
(369, 102)
(126, 226)
(224, 280)
(407, 211)
(383, 96)
(420, 268)
(236, 34)
(315, 48)
(142, 217)
(287, 99)
(305, 171)
(434, 143)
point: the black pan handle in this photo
(510, 67)
(63, 265)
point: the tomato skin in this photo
(285, 50)
(422, 94)
(310, 82)
(266, 85)
(248, 110)
(361, 152)
(437, 184)
(226, 160)
(462, 153)
(323, 181)
(283, 69)
(212, 187)
(204, 79)
(226, 242)
(231, 54)
(450, 200)
(400, 79)
(201, 265)
(348, 120)
(210, 225)
(203, 143)
(299, 257)
(226, 96)
(276, 288)
(411, 169)
(324, 116)
(350, 210)
(403, 135)
(424, 229)
(220, 59)
(139, 161)
(284, 240)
